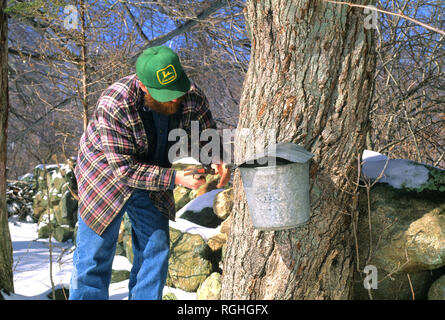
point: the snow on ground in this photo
(188, 160)
(199, 203)
(196, 205)
(31, 262)
(398, 173)
(31, 258)
(190, 227)
(31, 255)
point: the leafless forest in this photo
(61, 58)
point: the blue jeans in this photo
(94, 254)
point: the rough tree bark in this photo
(83, 65)
(310, 79)
(6, 279)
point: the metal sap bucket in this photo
(278, 195)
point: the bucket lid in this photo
(284, 150)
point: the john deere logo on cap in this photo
(166, 75)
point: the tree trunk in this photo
(310, 79)
(6, 280)
(83, 64)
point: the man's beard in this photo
(165, 108)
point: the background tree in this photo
(57, 72)
(407, 114)
(6, 279)
(310, 78)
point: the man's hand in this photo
(189, 181)
(224, 172)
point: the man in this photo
(123, 167)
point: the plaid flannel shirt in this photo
(110, 166)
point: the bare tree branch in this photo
(133, 19)
(186, 26)
(401, 15)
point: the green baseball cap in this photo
(159, 69)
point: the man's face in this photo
(165, 108)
